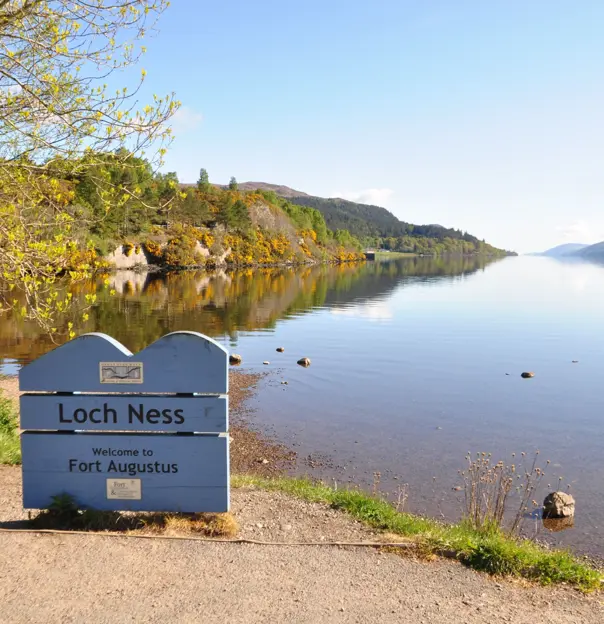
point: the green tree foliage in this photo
(57, 114)
(346, 239)
(144, 200)
(234, 214)
(233, 186)
(192, 209)
(203, 183)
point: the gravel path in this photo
(96, 578)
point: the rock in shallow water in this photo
(558, 524)
(559, 505)
(527, 375)
(304, 362)
(235, 359)
(280, 349)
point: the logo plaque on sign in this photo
(124, 489)
(121, 372)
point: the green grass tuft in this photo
(10, 447)
(488, 550)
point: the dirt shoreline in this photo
(252, 451)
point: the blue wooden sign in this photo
(117, 431)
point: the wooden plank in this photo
(188, 473)
(87, 412)
(180, 362)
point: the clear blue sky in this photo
(480, 114)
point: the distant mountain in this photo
(362, 220)
(593, 252)
(282, 191)
(567, 249)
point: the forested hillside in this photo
(377, 227)
(178, 225)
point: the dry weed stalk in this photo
(402, 494)
(377, 478)
(489, 489)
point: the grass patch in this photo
(395, 254)
(10, 447)
(488, 549)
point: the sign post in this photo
(124, 432)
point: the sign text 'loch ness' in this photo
(108, 415)
(127, 451)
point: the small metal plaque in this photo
(124, 489)
(121, 372)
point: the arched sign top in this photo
(181, 362)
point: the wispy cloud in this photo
(376, 196)
(186, 119)
(580, 232)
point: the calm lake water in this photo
(415, 362)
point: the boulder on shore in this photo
(304, 362)
(559, 505)
(235, 359)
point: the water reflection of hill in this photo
(143, 307)
(379, 278)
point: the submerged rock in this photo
(235, 359)
(559, 505)
(558, 524)
(527, 375)
(304, 362)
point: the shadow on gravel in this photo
(64, 516)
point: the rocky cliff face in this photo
(128, 258)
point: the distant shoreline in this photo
(379, 255)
